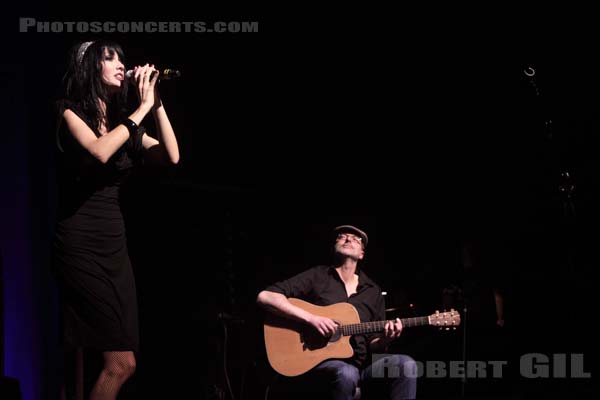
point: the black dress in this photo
(90, 256)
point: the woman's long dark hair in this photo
(83, 86)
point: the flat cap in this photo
(354, 230)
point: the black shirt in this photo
(322, 286)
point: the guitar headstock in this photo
(447, 319)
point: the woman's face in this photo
(113, 71)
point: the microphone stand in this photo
(455, 296)
(463, 321)
(566, 184)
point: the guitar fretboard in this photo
(379, 326)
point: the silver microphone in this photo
(166, 74)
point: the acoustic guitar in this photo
(294, 348)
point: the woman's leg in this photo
(118, 367)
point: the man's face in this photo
(350, 245)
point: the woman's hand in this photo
(157, 100)
(147, 91)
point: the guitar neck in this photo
(379, 326)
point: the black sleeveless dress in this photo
(90, 257)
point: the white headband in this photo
(81, 52)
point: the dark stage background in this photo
(427, 135)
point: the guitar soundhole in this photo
(313, 340)
(336, 336)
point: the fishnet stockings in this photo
(118, 367)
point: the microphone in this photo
(165, 74)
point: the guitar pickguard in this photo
(313, 340)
